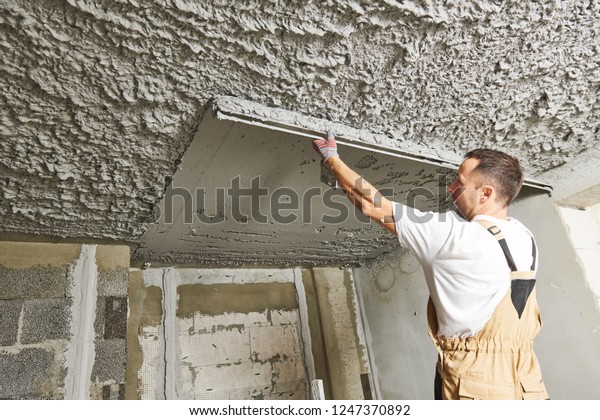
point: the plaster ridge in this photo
(303, 325)
(20, 325)
(170, 281)
(80, 354)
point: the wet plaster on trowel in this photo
(100, 100)
(317, 226)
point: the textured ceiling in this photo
(99, 100)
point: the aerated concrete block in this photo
(46, 319)
(33, 282)
(23, 375)
(10, 310)
(113, 282)
(115, 314)
(110, 361)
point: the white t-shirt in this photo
(465, 268)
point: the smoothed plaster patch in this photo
(14, 254)
(250, 195)
(143, 326)
(223, 298)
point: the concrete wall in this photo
(338, 343)
(243, 334)
(569, 343)
(215, 334)
(51, 297)
(394, 299)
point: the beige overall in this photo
(498, 363)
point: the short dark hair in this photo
(501, 170)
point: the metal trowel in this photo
(327, 177)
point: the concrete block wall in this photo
(110, 326)
(35, 318)
(78, 324)
(215, 334)
(41, 316)
(244, 334)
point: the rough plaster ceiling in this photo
(100, 100)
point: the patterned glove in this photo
(326, 148)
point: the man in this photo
(480, 271)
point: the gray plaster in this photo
(402, 355)
(569, 343)
(99, 101)
(319, 227)
(46, 319)
(577, 182)
(99, 320)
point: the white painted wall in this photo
(583, 227)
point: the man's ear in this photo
(486, 193)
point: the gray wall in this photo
(245, 333)
(63, 317)
(394, 297)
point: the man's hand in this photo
(326, 148)
(360, 193)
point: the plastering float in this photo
(247, 112)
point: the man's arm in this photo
(360, 193)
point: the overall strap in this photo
(497, 233)
(522, 283)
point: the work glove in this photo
(326, 148)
